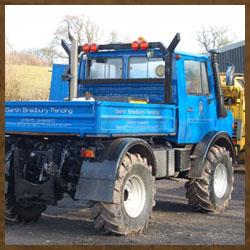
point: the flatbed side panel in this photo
(86, 118)
(127, 118)
(50, 117)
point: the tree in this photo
(48, 54)
(214, 37)
(8, 51)
(8, 45)
(114, 37)
(85, 30)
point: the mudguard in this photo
(201, 149)
(97, 178)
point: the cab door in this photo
(200, 114)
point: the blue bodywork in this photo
(59, 90)
(98, 118)
(84, 118)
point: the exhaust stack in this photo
(73, 85)
(221, 110)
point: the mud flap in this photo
(97, 180)
(45, 191)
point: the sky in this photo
(32, 26)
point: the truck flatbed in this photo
(89, 118)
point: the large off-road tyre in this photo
(133, 199)
(16, 213)
(212, 192)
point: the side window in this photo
(196, 78)
(204, 80)
(193, 77)
(138, 67)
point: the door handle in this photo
(190, 110)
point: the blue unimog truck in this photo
(135, 113)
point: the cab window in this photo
(143, 67)
(196, 78)
(104, 68)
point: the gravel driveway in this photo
(172, 222)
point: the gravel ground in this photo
(172, 222)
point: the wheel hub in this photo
(220, 180)
(134, 196)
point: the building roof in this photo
(231, 46)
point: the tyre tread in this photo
(198, 191)
(107, 216)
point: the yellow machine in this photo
(235, 102)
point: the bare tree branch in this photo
(8, 45)
(85, 30)
(214, 37)
(115, 37)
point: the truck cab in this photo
(118, 72)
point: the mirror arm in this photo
(210, 100)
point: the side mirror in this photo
(230, 75)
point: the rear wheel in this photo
(132, 201)
(212, 192)
(16, 212)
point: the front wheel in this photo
(132, 201)
(212, 192)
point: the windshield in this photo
(143, 67)
(104, 68)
